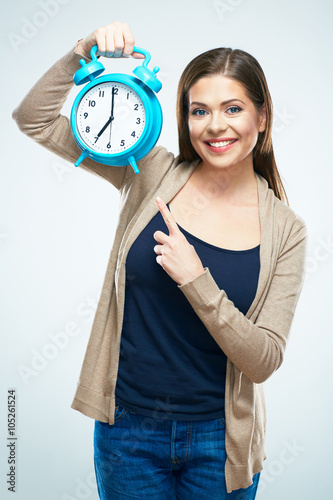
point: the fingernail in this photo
(158, 199)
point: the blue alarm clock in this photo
(116, 119)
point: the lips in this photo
(220, 143)
(217, 146)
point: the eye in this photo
(199, 112)
(234, 110)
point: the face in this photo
(223, 122)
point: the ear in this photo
(262, 118)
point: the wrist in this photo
(79, 49)
(192, 277)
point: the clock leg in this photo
(83, 156)
(132, 161)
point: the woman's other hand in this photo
(180, 260)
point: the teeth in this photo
(220, 144)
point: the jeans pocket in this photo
(222, 420)
(119, 412)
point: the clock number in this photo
(108, 145)
(101, 93)
(115, 90)
(136, 107)
(122, 142)
(138, 120)
(133, 133)
(127, 95)
(85, 115)
(92, 103)
(87, 129)
(96, 139)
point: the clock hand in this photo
(112, 106)
(109, 120)
(105, 127)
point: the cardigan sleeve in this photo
(39, 117)
(257, 349)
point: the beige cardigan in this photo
(254, 344)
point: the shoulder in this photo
(288, 219)
(154, 168)
(292, 228)
(159, 154)
(289, 223)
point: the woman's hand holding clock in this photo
(113, 40)
(180, 260)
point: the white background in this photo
(58, 222)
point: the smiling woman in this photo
(201, 286)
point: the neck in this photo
(235, 184)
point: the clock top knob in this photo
(93, 69)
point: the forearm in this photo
(252, 351)
(257, 349)
(42, 105)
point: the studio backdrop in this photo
(57, 224)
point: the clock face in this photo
(110, 118)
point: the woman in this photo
(204, 276)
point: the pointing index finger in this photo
(166, 214)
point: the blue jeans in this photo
(144, 457)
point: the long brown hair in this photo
(245, 69)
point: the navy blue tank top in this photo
(170, 366)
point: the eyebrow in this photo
(224, 102)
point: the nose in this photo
(217, 123)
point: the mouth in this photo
(218, 145)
